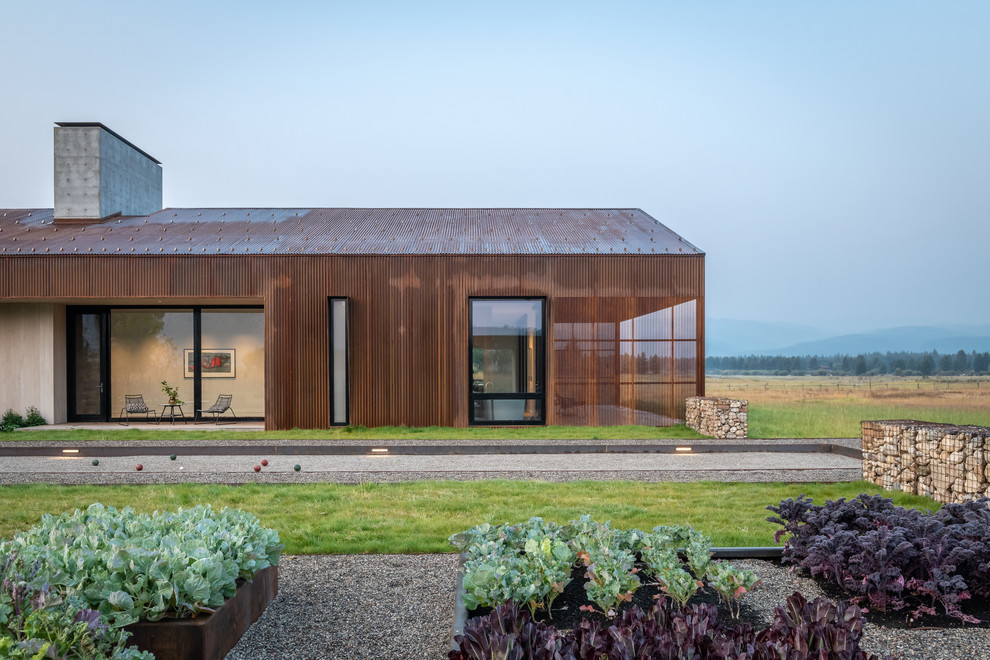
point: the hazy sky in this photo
(832, 158)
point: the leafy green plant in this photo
(11, 421)
(663, 564)
(34, 417)
(513, 562)
(530, 563)
(611, 578)
(133, 566)
(172, 393)
(609, 561)
(730, 583)
(39, 621)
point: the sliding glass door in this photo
(200, 351)
(88, 385)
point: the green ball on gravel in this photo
(297, 467)
(172, 457)
(96, 461)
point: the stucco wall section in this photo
(718, 417)
(32, 352)
(945, 462)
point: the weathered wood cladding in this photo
(409, 361)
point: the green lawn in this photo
(838, 418)
(361, 433)
(419, 516)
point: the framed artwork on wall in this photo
(216, 363)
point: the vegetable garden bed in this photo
(190, 583)
(212, 636)
(587, 590)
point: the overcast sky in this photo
(832, 159)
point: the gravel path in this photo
(402, 607)
(743, 466)
(23, 440)
(387, 607)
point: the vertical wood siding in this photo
(409, 361)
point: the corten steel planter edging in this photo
(460, 611)
(212, 636)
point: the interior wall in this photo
(32, 352)
(241, 335)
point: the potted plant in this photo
(172, 393)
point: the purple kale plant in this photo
(801, 630)
(506, 633)
(888, 557)
(813, 629)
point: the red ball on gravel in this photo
(264, 462)
(257, 468)
(139, 467)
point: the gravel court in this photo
(753, 466)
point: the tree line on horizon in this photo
(899, 363)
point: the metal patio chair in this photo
(220, 407)
(134, 405)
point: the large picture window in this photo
(507, 361)
(203, 352)
(625, 361)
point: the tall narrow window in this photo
(338, 360)
(507, 361)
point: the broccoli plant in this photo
(731, 583)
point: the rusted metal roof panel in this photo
(345, 231)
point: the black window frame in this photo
(541, 369)
(103, 314)
(347, 359)
(104, 310)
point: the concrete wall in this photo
(97, 175)
(77, 173)
(718, 417)
(32, 355)
(130, 183)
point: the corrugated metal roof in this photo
(346, 231)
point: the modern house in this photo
(312, 317)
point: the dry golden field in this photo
(828, 407)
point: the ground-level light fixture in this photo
(682, 449)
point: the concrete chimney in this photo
(99, 174)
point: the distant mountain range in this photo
(728, 337)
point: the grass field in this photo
(418, 517)
(827, 407)
(151, 433)
(779, 407)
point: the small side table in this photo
(171, 413)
